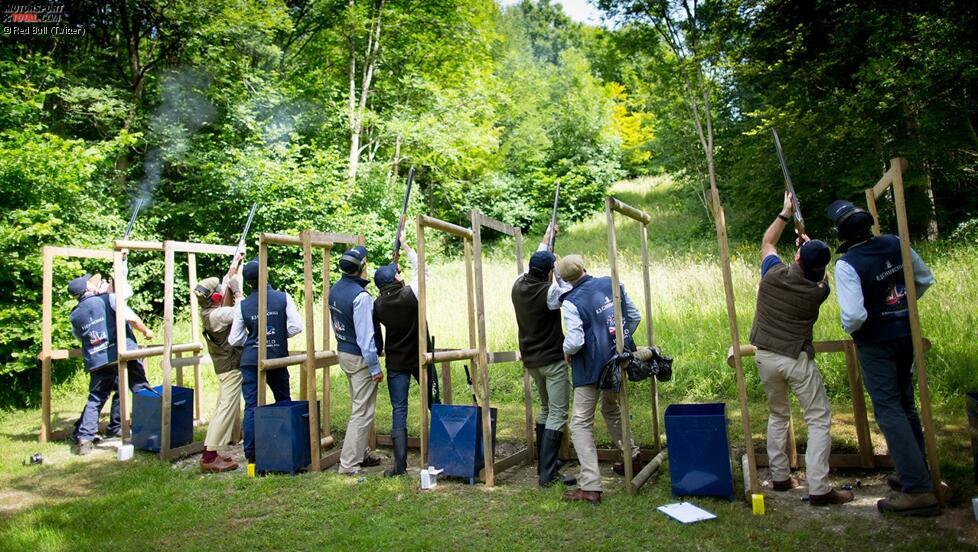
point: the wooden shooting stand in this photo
(168, 350)
(48, 353)
(865, 458)
(526, 455)
(310, 359)
(633, 481)
(477, 350)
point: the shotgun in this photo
(396, 254)
(553, 221)
(132, 219)
(226, 299)
(799, 220)
(434, 388)
(468, 380)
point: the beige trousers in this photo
(226, 412)
(778, 373)
(363, 396)
(582, 434)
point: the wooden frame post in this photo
(310, 360)
(752, 484)
(633, 481)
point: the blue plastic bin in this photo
(455, 439)
(282, 437)
(147, 418)
(699, 450)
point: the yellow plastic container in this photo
(757, 501)
(251, 473)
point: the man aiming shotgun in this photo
(227, 299)
(536, 299)
(396, 309)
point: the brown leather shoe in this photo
(786, 485)
(593, 497)
(831, 497)
(637, 465)
(219, 465)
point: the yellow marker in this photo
(251, 473)
(757, 500)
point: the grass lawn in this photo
(96, 502)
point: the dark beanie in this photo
(353, 259)
(542, 262)
(814, 255)
(250, 271)
(385, 275)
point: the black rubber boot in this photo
(548, 460)
(539, 443)
(399, 437)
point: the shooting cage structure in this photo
(310, 360)
(167, 350)
(477, 350)
(634, 481)
(865, 458)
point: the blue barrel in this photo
(282, 437)
(699, 450)
(147, 418)
(455, 439)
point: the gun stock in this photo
(396, 253)
(227, 300)
(553, 221)
(795, 204)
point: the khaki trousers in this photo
(363, 397)
(226, 412)
(778, 373)
(582, 434)
(553, 386)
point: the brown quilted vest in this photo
(223, 355)
(787, 308)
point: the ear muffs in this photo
(838, 224)
(355, 260)
(201, 291)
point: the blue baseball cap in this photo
(814, 255)
(353, 261)
(79, 286)
(250, 271)
(542, 262)
(385, 275)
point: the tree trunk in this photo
(933, 232)
(358, 106)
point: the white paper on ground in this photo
(685, 512)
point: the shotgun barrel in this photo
(132, 219)
(396, 253)
(799, 220)
(235, 260)
(553, 221)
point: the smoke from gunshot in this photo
(184, 109)
(281, 121)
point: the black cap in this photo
(542, 262)
(814, 255)
(79, 286)
(250, 271)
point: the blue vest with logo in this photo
(880, 268)
(93, 319)
(596, 307)
(277, 337)
(341, 297)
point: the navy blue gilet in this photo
(880, 268)
(277, 337)
(93, 319)
(341, 297)
(596, 308)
